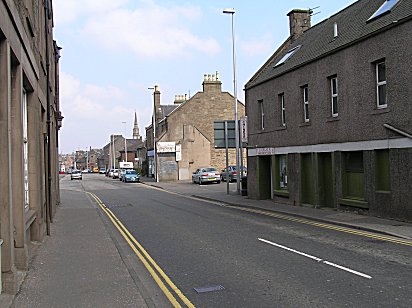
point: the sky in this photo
(114, 50)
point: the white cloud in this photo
(152, 31)
(93, 112)
(67, 11)
(92, 102)
(258, 46)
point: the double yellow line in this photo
(326, 226)
(145, 258)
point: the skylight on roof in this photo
(384, 8)
(287, 55)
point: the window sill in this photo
(280, 128)
(281, 193)
(383, 192)
(333, 119)
(304, 124)
(380, 111)
(354, 202)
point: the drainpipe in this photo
(390, 127)
(49, 176)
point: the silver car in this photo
(76, 175)
(206, 175)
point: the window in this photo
(384, 8)
(25, 150)
(262, 115)
(283, 172)
(287, 55)
(381, 95)
(282, 109)
(334, 95)
(305, 92)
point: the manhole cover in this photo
(119, 205)
(209, 289)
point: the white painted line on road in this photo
(316, 259)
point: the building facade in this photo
(330, 122)
(185, 131)
(29, 122)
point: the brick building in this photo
(188, 126)
(330, 118)
(29, 122)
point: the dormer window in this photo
(290, 53)
(384, 8)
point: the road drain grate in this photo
(209, 289)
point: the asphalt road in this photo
(221, 257)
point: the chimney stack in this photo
(212, 83)
(299, 22)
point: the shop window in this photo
(281, 173)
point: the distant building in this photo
(185, 131)
(330, 118)
(114, 152)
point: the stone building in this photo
(185, 131)
(29, 122)
(330, 122)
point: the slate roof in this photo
(318, 41)
(166, 110)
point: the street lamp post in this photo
(125, 142)
(231, 11)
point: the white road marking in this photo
(316, 259)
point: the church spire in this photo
(136, 134)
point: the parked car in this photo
(96, 170)
(76, 175)
(102, 170)
(115, 173)
(121, 174)
(110, 172)
(206, 175)
(232, 173)
(131, 176)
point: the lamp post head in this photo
(229, 11)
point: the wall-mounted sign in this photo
(243, 129)
(126, 164)
(265, 151)
(178, 152)
(166, 147)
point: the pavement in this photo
(81, 265)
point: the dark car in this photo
(232, 173)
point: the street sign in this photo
(219, 134)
